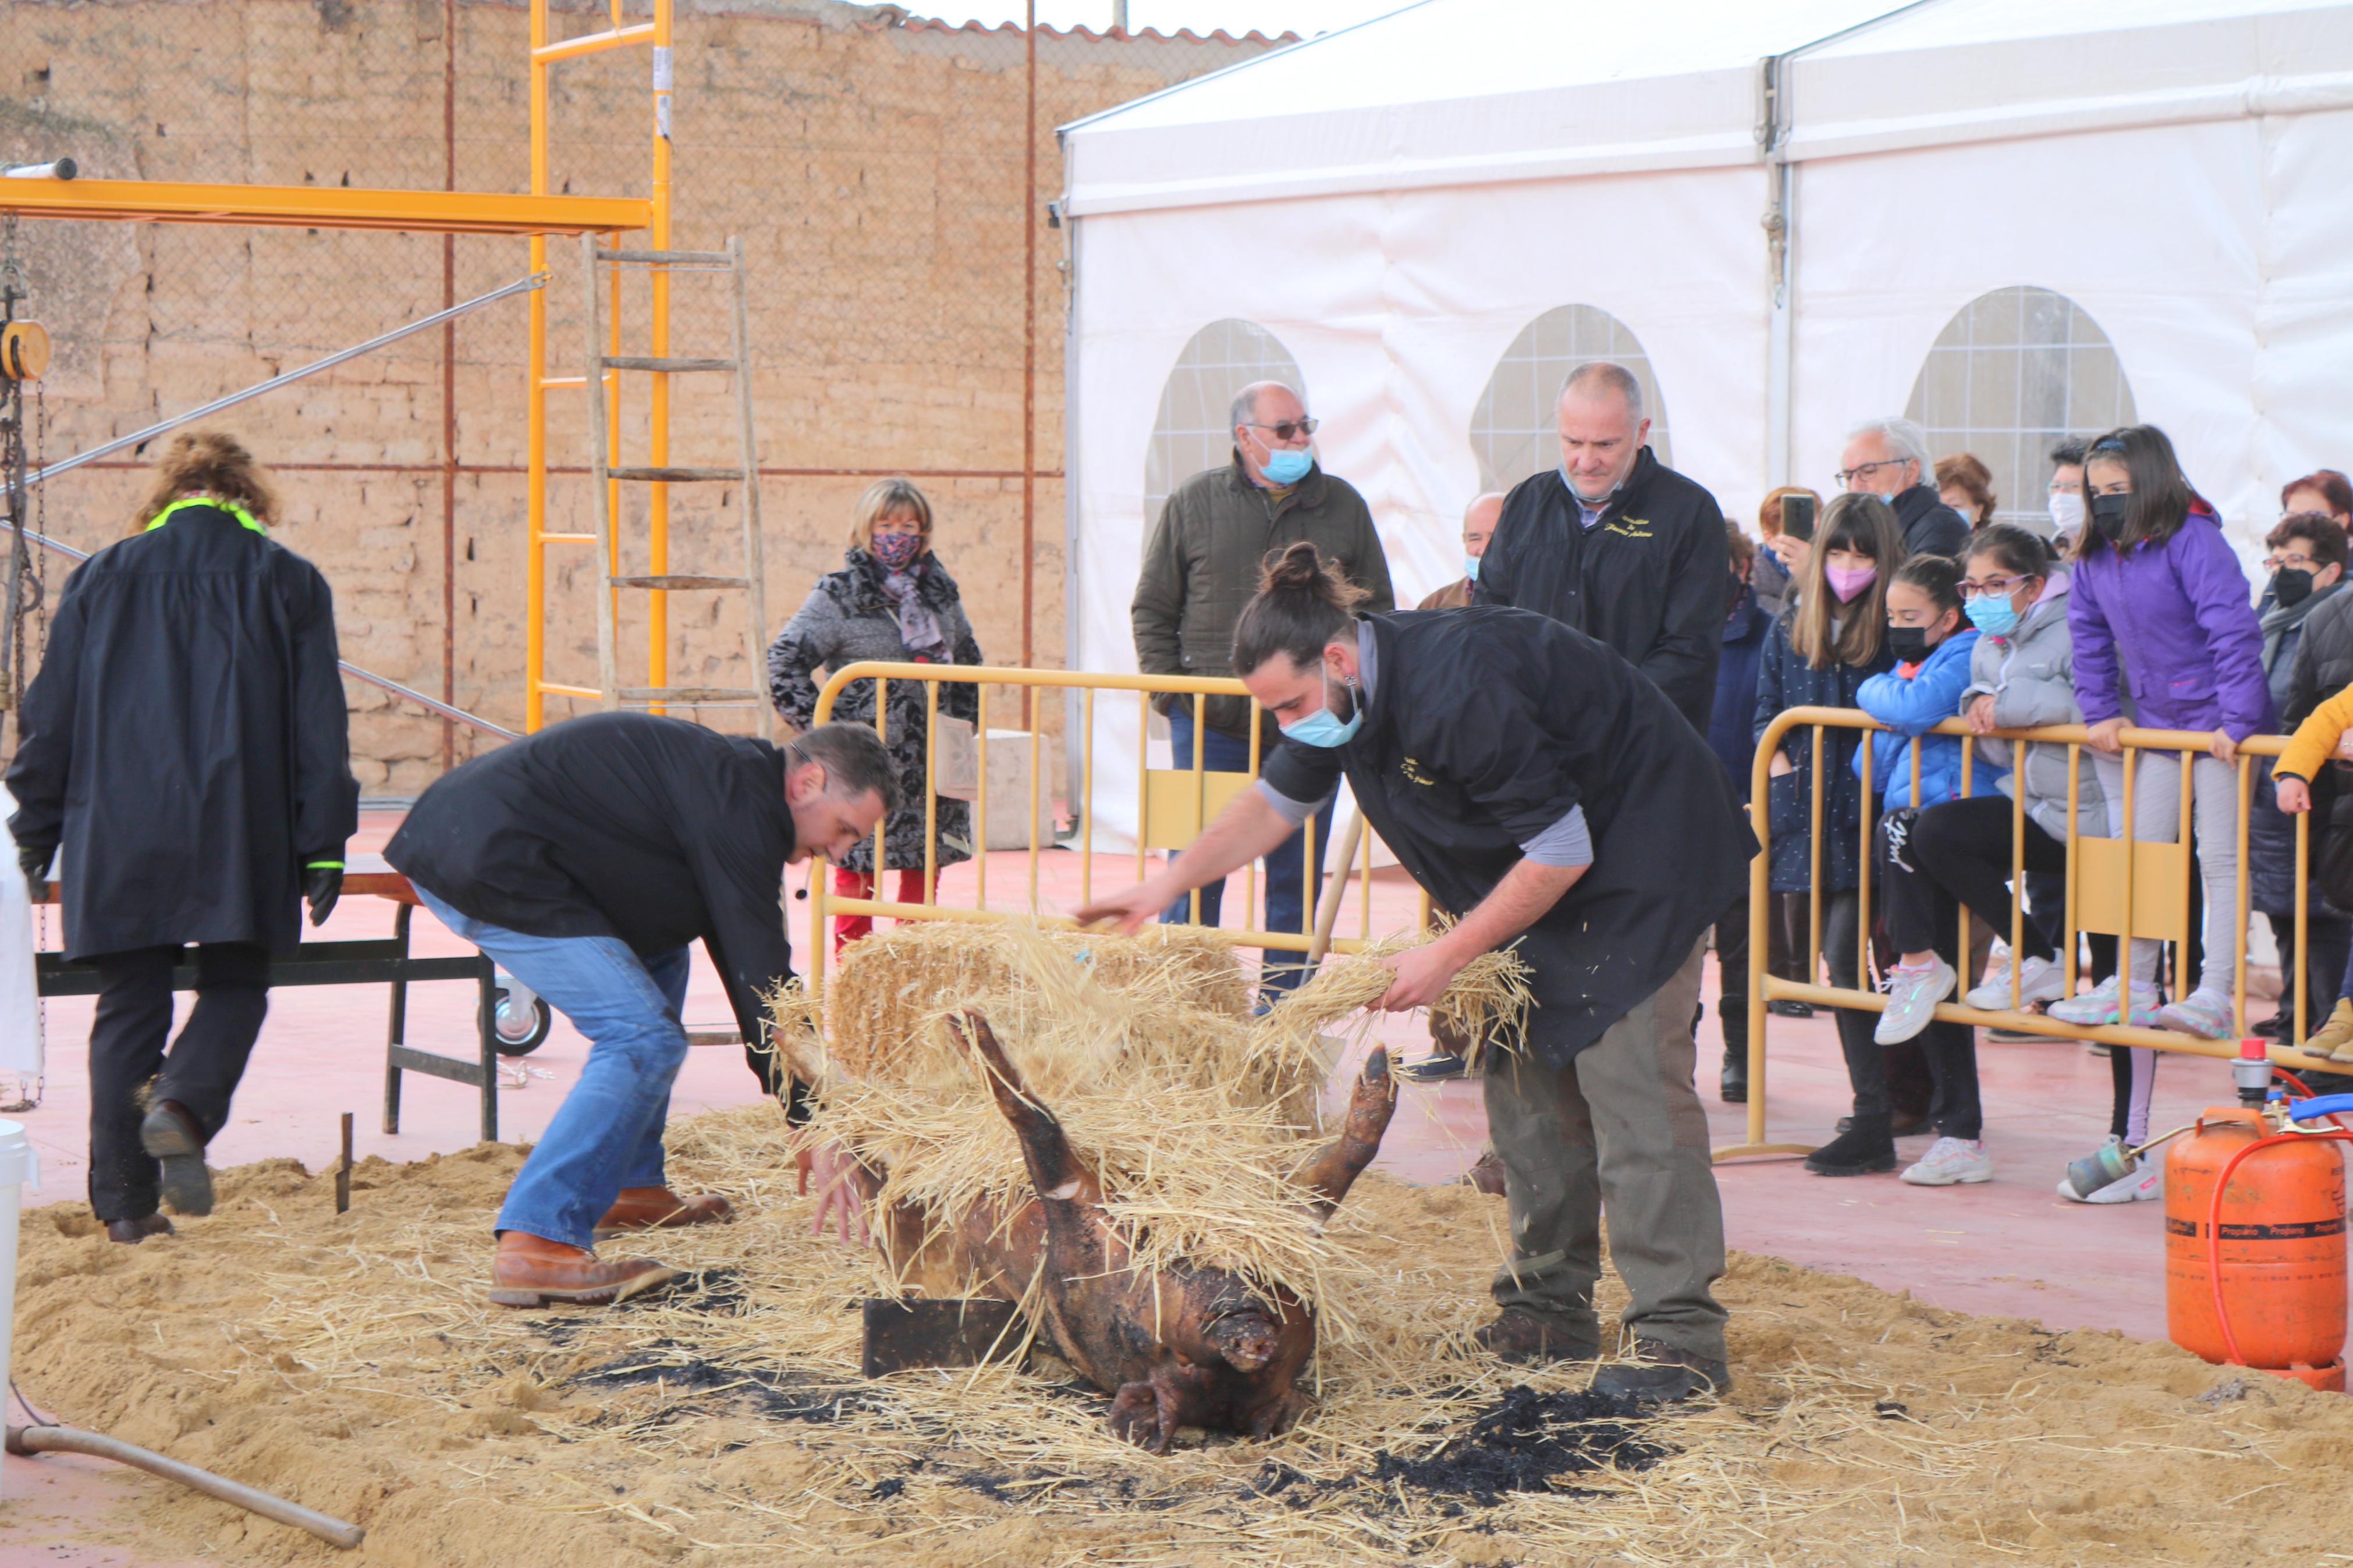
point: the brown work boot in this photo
(132, 1232)
(1519, 1336)
(532, 1271)
(2334, 1039)
(658, 1208)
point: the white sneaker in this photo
(1951, 1162)
(1911, 998)
(2145, 1182)
(2205, 1013)
(2038, 980)
(2098, 1006)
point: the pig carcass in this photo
(1175, 1347)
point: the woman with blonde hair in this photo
(892, 600)
(182, 753)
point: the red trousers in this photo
(848, 929)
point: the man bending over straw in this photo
(585, 858)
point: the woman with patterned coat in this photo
(891, 600)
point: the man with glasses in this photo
(1201, 566)
(1616, 544)
(1889, 458)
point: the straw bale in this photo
(893, 984)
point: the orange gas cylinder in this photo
(2283, 1251)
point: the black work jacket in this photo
(185, 745)
(1930, 527)
(624, 825)
(1484, 727)
(1647, 580)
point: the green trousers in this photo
(1618, 1131)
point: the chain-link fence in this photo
(906, 303)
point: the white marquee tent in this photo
(2012, 218)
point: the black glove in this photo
(35, 863)
(323, 884)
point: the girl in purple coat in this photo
(2164, 630)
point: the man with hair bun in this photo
(585, 858)
(183, 755)
(1530, 778)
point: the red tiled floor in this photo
(2009, 1247)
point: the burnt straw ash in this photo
(1522, 1443)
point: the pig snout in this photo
(1247, 1340)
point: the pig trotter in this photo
(1331, 1170)
(1275, 1418)
(1144, 1415)
(1052, 1166)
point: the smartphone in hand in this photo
(1797, 517)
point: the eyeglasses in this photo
(1991, 587)
(1846, 477)
(2301, 562)
(1290, 429)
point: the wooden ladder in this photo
(596, 260)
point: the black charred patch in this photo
(696, 1386)
(1525, 1441)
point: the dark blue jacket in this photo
(1731, 726)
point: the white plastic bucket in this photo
(19, 1167)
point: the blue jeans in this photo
(608, 1134)
(1285, 897)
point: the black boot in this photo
(1733, 1083)
(1865, 1147)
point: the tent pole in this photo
(1780, 234)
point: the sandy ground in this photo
(349, 1362)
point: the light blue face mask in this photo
(1994, 617)
(1288, 465)
(1323, 727)
(1470, 567)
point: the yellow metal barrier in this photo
(1172, 804)
(2114, 886)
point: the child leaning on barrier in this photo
(1959, 854)
(1933, 642)
(1831, 639)
(2165, 638)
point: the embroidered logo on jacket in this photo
(1631, 527)
(1412, 771)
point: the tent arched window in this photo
(1192, 432)
(1513, 431)
(2013, 373)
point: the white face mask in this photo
(2067, 512)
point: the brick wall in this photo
(873, 167)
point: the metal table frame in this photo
(380, 961)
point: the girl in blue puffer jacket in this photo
(1931, 642)
(1931, 639)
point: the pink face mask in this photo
(1846, 582)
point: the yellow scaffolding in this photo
(544, 57)
(537, 215)
(312, 207)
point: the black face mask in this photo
(2108, 515)
(1909, 644)
(2291, 585)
